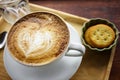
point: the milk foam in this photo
(38, 39)
(33, 40)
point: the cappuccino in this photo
(38, 38)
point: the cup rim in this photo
(45, 63)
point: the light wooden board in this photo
(95, 65)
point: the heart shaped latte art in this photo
(33, 39)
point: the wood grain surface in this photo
(108, 9)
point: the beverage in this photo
(38, 38)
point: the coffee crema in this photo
(38, 38)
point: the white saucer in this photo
(63, 70)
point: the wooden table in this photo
(92, 9)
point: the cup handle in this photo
(78, 47)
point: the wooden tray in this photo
(95, 65)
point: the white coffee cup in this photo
(70, 46)
(57, 70)
(34, 68)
